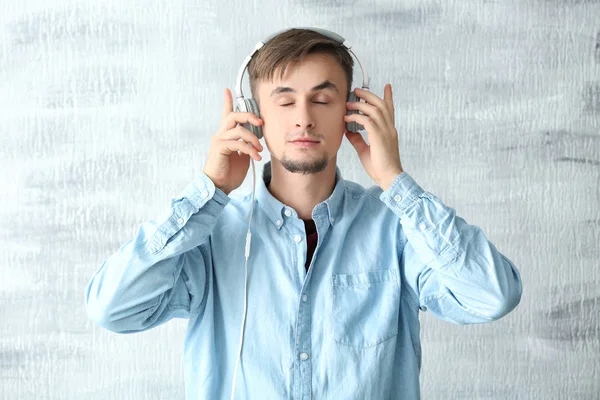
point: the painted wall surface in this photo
(107, 109)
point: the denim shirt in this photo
(346, 329)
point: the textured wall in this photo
(106, 112)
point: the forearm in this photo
(135, 284)
(460, 271)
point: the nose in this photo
(304, 119)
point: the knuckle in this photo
(243, 131)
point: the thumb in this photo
(228, 105)
(358, 142)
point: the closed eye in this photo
(289, 104)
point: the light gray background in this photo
(106, 112)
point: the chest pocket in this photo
(365, 307)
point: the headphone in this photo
(250, 105)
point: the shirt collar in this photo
(275, 209)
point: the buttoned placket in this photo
(302, 346)
(303, 372)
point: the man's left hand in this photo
(381, 158)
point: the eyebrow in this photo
(324, 85)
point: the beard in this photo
(304, 167)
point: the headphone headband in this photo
(332, 35)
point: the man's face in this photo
(292, 109)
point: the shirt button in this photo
(398, 198)
(423, 227)
(180, 221)
(298, 238)
(204, 193)
(287, 213)
(303, 356)
(278, 222)
(304, 298)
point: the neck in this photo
(302, 192)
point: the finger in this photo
(357, 141)
(371, 98)
(363, 120)
(388, 98)
(369, 110)
(244, 134)
(235, 118)
(240, 146)
(227, 105)
(359, 144)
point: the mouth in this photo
(305, 143)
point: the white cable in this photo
(247, 254)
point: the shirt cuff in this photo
(402, 194)
(200, 191)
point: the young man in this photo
(337, 273)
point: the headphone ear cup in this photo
(252, 107)
(351, 125)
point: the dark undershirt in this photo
(311, 240)
(311, 237)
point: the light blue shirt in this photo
(347, 329)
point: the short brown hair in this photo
(292, 46)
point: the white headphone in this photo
(250, 105)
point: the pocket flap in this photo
(364, 278)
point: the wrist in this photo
(387, 182)
(217, 185)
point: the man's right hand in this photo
(225, 166)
